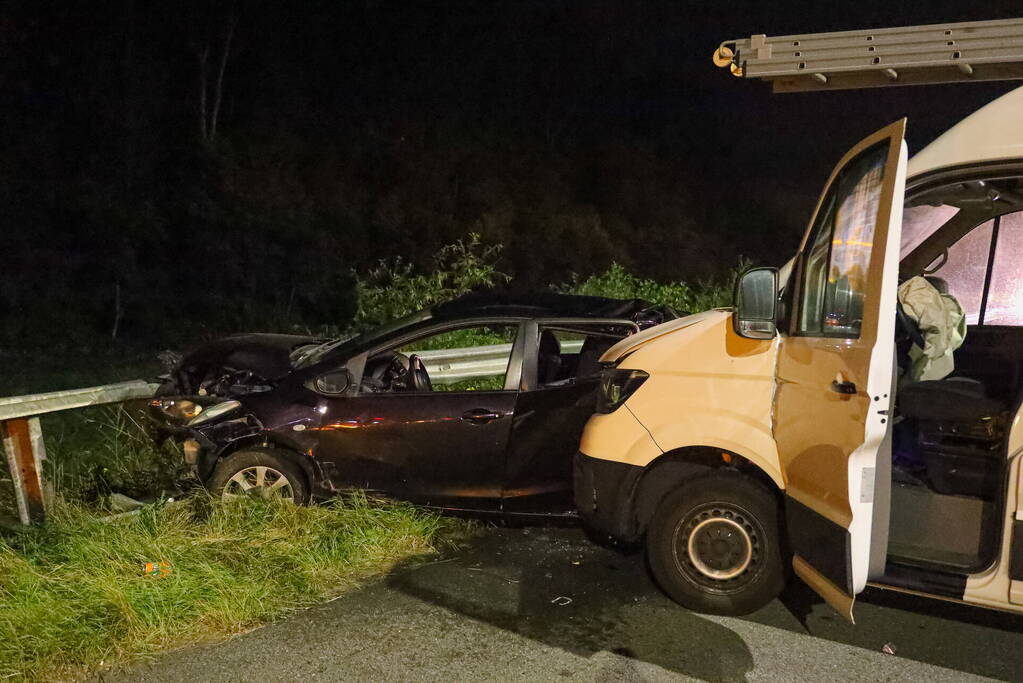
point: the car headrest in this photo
(549, 344)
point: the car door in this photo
(443, 448)
(835, 373)
(551, 412)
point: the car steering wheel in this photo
(420, 378)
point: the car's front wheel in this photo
(258, 473)
(714, 544)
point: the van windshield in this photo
(920, 222)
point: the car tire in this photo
(714, 545)
(265, 472)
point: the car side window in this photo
(464, 359)
(837, 256)
(572, 353)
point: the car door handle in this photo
(843, 387)
(481, 415)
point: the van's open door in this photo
(834, 375)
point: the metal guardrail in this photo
(22, 431)
(448, 366)
(23, 435)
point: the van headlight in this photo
(616, 386)
(214, 411)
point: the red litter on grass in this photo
(156, 569)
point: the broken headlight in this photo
(214, 411)
(178, 409)
(616, 386)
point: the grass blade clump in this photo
(73, 594)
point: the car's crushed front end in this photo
(223, 395)
(204, 426)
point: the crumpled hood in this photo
(630, 344)
(266, 355)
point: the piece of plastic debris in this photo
(888, 649)
(121, 503)
(561, 601)
(156, 569)
(576, 562)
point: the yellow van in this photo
(795, 431)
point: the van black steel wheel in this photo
(713, 544)
(258, 473)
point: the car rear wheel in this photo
(714, 545)
(258, 473)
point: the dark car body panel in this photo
(419, 447)
(548, 422)
(431, 448)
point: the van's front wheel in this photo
(714, 544)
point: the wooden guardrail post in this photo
(23, 444)
(22, 436)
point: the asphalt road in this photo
(548, 605)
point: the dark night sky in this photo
(377, 128)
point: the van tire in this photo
(273, 463)
(714, 544)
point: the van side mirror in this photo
(756, 301)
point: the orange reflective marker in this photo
(156, 569)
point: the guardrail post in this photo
(23, 444)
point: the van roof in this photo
(995, 131)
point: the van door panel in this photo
(834, 375)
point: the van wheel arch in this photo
(671, 470)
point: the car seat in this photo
(589, 355)
(549, 363)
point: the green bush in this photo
(618, 283)
(393, 289)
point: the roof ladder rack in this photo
(870, 58)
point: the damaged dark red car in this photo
(474, 405)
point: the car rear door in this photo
(550, 415)
(835, 373)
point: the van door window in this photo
(835, 269)
(1005, 293)
(966, 268)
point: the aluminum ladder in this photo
(869, 58)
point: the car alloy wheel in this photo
(259, 481)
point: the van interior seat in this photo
(954, 399)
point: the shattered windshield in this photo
(318, 353)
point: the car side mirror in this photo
(334, 382)
(756, 301)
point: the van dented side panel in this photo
(707, 387)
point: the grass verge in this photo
(73, 597)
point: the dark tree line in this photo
(192, 168)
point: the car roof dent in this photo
(995, 131)
(633, 342)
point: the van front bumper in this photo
(604, 491)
